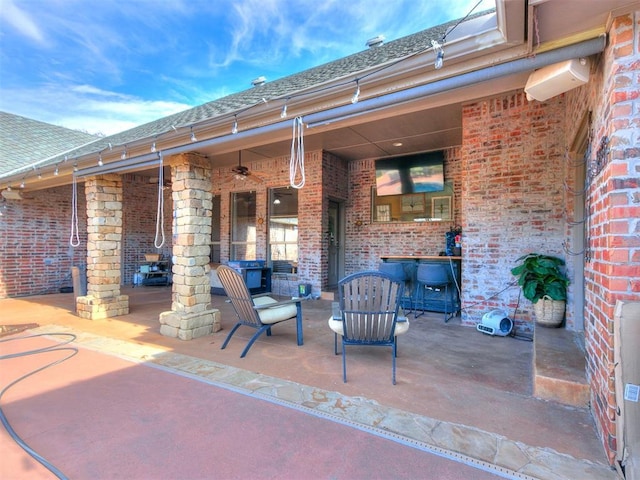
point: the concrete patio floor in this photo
(457, 390)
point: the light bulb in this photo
(22, 184)
(153, 147)
(56, 172)
(356, 95)
(193, 136)
(100, 162)
(234, 129)
(283, 113)
(437, 48)
(124, 154)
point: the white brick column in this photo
(104, 241)
(191, 314)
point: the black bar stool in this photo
(396, 271)
(433, 276)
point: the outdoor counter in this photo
(433, 299)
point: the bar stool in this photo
(433, 276)
(396, 271)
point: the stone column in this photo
(191, 314)
(104, 241)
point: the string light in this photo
(39, 175)
(356, 95)
(56, 172)
(100, 162)
(193, 136)
(124, 153)
(437, 48)
(283, 113)
(234, 129)
(75, 167)
(153, 147)
(22, 184)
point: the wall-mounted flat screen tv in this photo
(422, 172)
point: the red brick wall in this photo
(311, 215)
(139, 212)
(367, 241)
(614, 197)
(513, 169)
(34, 242)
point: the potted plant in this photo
(545, 285)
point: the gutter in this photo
(364, 107)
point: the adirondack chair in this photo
(369, 303)
(256, 311)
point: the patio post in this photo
(104, 243)
(191, 314)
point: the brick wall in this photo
(34, 240)
(614, 197)
(367, 241)
(513, 169)
(140, 208)
(274, 173)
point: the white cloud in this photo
(88, 108)
(21, 22)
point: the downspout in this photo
(582, 49)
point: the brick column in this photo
(104, 240)
(191, 314)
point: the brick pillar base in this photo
(187, 326)
(93, 308)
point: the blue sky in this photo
(104, 66)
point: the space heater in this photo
(495, 322)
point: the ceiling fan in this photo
(242, 173)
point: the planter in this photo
(549, 312)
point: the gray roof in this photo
(289, 87)
(23, 141)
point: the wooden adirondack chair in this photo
(256, 311)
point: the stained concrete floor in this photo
(472, 391)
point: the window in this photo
(283, 227)
(243, 226)
(214, 254)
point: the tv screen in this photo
(423, 172)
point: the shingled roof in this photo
(347, 68)
(25, 142)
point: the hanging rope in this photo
(74, 239)
(160, 210)
(296, 165)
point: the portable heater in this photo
(495, 322)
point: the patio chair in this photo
(369, 303)
(256, 311)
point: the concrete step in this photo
(559, 367)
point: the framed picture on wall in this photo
(441, 208)
(413, 203)
(383, 213)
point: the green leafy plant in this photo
(540, 275)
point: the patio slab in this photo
(458, 390)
